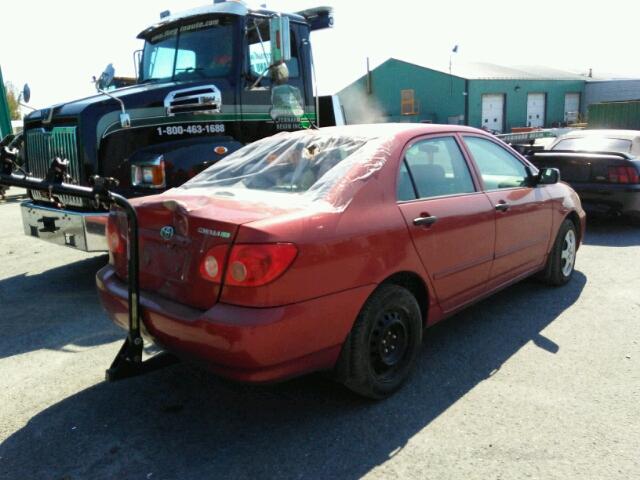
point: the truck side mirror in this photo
(26, 93)
(106, 78)
(280, 39)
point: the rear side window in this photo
(498, 167)
(594, 144)
(437, 168)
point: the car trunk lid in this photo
(175, 234)
(581, 167)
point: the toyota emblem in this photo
(166, 232)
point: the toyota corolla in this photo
(333, 249)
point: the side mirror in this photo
(106, 78)
(280, 74)
(26, 93)
(548, 176)
(279, 32)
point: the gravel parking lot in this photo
(532, 383)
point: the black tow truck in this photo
(81, 158)
(209, 80)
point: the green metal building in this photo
(481, 95)
(5, 117)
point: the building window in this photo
(408, 102)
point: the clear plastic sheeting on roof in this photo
(294, 169)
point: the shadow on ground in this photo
(184, 423)
(612, 232)
(52, 309)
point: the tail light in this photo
(249, 265)
(623, 174)
(115, 239)
(213, 263)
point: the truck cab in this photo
(209, 80)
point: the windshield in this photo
(202, 49)
(280, 164)
(594, 144)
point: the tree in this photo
(12, 101)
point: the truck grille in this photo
(42, 146)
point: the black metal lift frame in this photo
(128, 362)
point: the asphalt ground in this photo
(534, 382)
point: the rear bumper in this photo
(81, 230)
(245, 344)
(610, 199)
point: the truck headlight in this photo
(149, 174)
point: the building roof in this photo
(490, 71)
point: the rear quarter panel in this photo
(337, 251)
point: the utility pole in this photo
(453, 50)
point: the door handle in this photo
(426, 221)
(502, 206)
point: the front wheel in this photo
(382, 347)
(562, 258)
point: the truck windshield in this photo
(202, 49)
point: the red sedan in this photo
(333, 249)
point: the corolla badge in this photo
(166, 232)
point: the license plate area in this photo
(169, 261)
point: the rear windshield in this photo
(284, 163)
(594, 144)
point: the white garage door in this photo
(493, 112)
(571, 107)
(535, 109)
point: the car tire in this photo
(561, 261)
(383, 344)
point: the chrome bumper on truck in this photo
(81, 230)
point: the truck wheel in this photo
(382, 347)
(562, 257)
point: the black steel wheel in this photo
(382, 347)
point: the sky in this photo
(57, 46)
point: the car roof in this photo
(382, 130)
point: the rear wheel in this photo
(562, 257)
(382, 347)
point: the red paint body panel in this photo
(298, 322)
(457, 250)
(247, 344)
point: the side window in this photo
(258, 39)
(405, 185)
(498, 168)
(438, 168)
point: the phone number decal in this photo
(194, 129)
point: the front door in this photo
(523, 214)
(451, 222)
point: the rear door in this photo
(451, 222)
(536, 110)
(523, 214)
